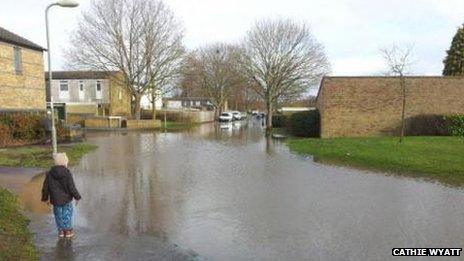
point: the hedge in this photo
(427, 125)
(435, 125)
(455, 124)
(21, 128)
(279, 121)
(305, 124)
(301, 124)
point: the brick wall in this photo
(25, 91)
(143, 124)
(371, 106)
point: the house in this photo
(372, 106)
(22, 86)
(188, 103)
(295, 109)
(89, 93)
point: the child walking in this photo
(59, 189)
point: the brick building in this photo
(22, 86)
(371, 106)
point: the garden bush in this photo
(455, 124)
(21, 128)
(5, 135)
(305, 124)
(435, 125)
(279, 121)
(427, 125)
(27, 127)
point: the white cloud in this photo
(358, 66)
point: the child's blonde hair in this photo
(61, 159)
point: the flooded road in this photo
(229, 194)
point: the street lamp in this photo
(62, 3)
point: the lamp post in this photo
(62, 3)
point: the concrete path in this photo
(14, 178)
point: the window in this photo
(120, 95)
(17, 58)
(81, 90)
(98, 94)
(64, 90)
(63, 86)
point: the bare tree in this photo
(190, 83)
(283, 59)
(214, 68)
(399, 62)
(139, 38)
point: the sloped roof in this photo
(187, 99)
(80, 75)
(12, 38)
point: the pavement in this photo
(14, 178)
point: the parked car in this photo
(226, 117)
(254, 112)
(238, 115)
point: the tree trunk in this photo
(269, 118)
(137, 108)
(220, 109)
(153, 106)
(403, 108)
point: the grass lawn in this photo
(16, 242)
(41, 156)
(175, 126)
(440, 158)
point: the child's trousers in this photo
(63, 216)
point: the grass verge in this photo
(16, 241)
(438, 158)
(41, 156)
(177, 126)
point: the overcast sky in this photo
(352, 31)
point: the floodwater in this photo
(228, 193)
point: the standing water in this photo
(228, 193)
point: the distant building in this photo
(89, 93)
(295, 109)
(200, 103)
(22, 86)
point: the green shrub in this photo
(279, 121)
(21, 128)
(5, 135)
(435, 125)
(305, 124)
(6, 119)
(455, 124)
(427, 125)
(27, 127)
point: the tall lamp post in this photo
(62, 3)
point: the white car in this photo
(238, 115)
(226, 117)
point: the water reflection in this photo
(232, 194)
(30, 196)
(64, 250)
